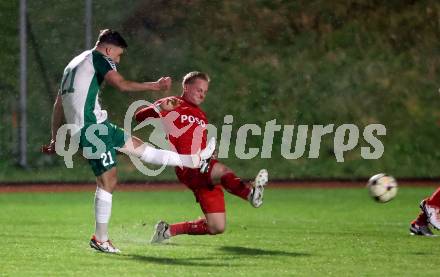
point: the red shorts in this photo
(211, 200)
(209, 196)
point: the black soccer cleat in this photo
(420, 230)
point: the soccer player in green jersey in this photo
(77, 100)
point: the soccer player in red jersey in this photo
(430, 214)
(185, 124)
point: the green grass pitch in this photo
(301, 232)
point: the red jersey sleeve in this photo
(150, 111)
(145, 113)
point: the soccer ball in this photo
(382, 187)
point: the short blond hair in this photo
(192, 76)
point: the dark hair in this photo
(192, 76)
(111, 37)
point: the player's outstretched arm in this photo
(118, 81)
(57, 120)
(152, 111)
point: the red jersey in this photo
(185, 125)
(186, 130)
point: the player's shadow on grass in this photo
(421, 254)
(238, 250)
(195, 261)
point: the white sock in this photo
(103, 211)
(159, 156)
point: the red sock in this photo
(421, 219)
(197, 227)
(434, 199)
(234, 185)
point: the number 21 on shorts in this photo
(107, 159)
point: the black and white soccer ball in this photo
(382, 187)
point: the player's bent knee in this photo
(216, 229)
(219, 171)
(225, 170)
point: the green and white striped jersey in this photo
(80, 85)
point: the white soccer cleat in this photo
(256, 197)
(432, 213)
(105, 246)
(206, 155)
(161, 232)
